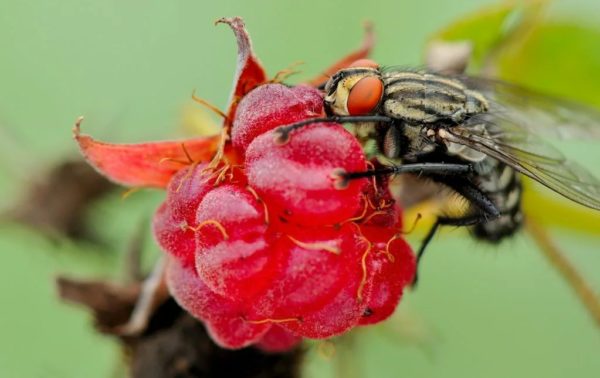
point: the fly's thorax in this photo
(476, 102)
(420, 97)
(338, 88)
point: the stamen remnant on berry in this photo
(321, 246)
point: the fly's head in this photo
(356, 90)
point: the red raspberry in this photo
(173, 236)
(278, 105)
(224, 318)
(186, 189)
(380, 208)
(264, 244)
(273, 255)
(298, 180)
(278, 340)
(175, 219)
(390, 266)
(234, 255)
(321, 261)
(339, 315)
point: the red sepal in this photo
(144, 164)
(361, 53)
(249, 73)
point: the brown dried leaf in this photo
(56, 203)
(111, 304)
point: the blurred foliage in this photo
(524, 45)
(557, 57)
(489, 28)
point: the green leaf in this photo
(561, 58)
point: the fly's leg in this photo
(425, 169)
(485, 211)
(444, 221)
(454, 176)
(441, 169)
(282, 133)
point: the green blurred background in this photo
(130, 66)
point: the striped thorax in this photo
(423, 98)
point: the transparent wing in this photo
(516, 146)
(545, 115)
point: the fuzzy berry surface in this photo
(274, 249)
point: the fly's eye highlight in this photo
(365, 95)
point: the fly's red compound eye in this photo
(364, 63)
(365, 95)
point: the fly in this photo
(474, 136)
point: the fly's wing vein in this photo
(541, 114)
(530, 155)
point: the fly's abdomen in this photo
(502, 185)
(424, 98)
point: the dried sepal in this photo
(249, 72)
(110, 303)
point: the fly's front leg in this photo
(282, 133)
